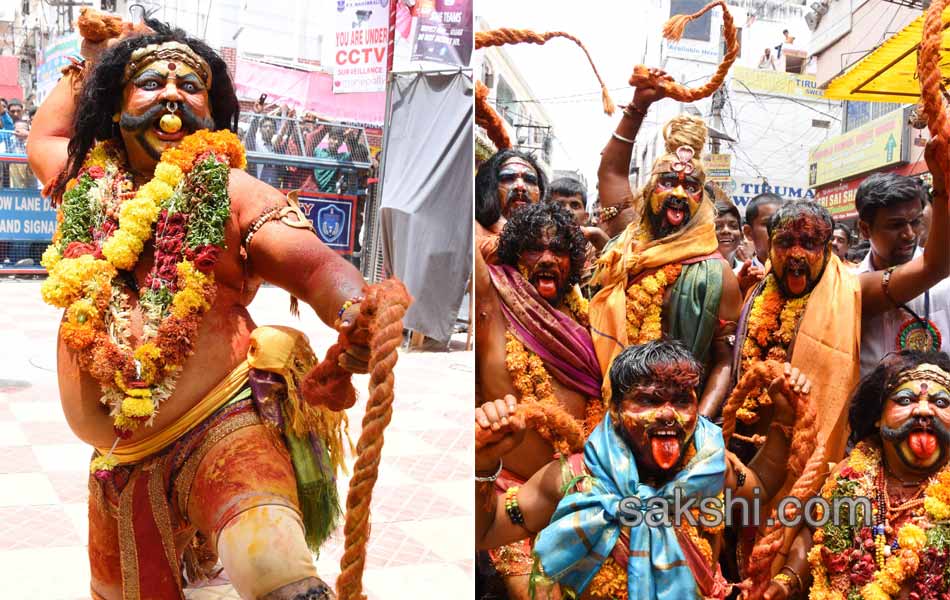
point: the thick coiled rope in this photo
(804, 464)
(673, 31)
(931, 80)
(383, 310)
(488, 119)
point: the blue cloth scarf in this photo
(585, 526)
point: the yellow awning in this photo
(889, 73)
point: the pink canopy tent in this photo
(306, 90)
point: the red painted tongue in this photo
(666, 450)
(547, 287)
(797, 283)
(675, 216)
(923, 444)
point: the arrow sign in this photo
(889, 147)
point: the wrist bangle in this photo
(490, 478)
(886, 283)
(511, 506)
(620, 138)
(608, 213)
(633, 111)
(347, 304)
(784, 580)
(798, 578)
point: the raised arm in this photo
(46, 148)
(913, 278)
(613, 175)
(498, 429)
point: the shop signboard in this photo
(362, 38)
(839, 199)
(444, 32)
(26, 216)
(879, 143)
(743, 189)
(775, 83)
(333, 217)
(51, 61)
(718, 167)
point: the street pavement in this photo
(422, 529)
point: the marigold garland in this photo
(579, 306)
(856, 561)
(770, 329)
(533, 383)
(103, 226)
(645, 304)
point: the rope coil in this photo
(931, 80)
(804, 465)
(673, 31)
(385, 305)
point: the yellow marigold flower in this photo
(137, 407)
(122, 249)
(660, 277)
(187, 301)
(912, 537)
(858, 460)
(650, 285)
(67, 279)
(137, 217)
(148, 355)
(103, 463)
(51, 256)
(98, 157)
(168, 173)
(120, 421)
(889, 584)
(936, 508)
(873, 591)
(158, 190)
(894, 569)
(82, 311)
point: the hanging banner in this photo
(878, 143)
(51, 60)
(362, 36)
(718, 167)
(444, 32)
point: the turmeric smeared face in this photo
(658, 418)
(915, 423)
(800, 249)
(673, 202)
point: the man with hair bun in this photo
(663, 275)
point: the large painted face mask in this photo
(915, 421)
(800, 249)
(677, 193)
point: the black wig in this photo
(487, 207)
(525, 226)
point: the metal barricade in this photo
(27, 220)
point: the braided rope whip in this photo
(804, 464)
(673, 31)
(488, 119)
(503, 36)
(385, 305)
(931, 79)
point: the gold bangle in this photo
(784, 580)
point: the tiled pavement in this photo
(422, 533)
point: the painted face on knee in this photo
(658, 418)
(915, 422)
(800, 249)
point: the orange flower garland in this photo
(770, 329)
(103, 226)
(645, 304)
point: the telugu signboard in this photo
(26, 215)
(444, 32)
(774, 83)
(362, 36)
(876, 144)
(332, 216)
(718, 167)
(51, 61)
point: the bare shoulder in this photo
(250, 197)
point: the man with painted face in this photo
(900, 433)
(664, 274)
(652, 441)
(505, 182)
(890, 215)
(532, 342)
(161, 367)
(808, 311)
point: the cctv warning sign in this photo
(362, 36)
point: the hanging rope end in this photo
(609, 106)
(674, 28)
